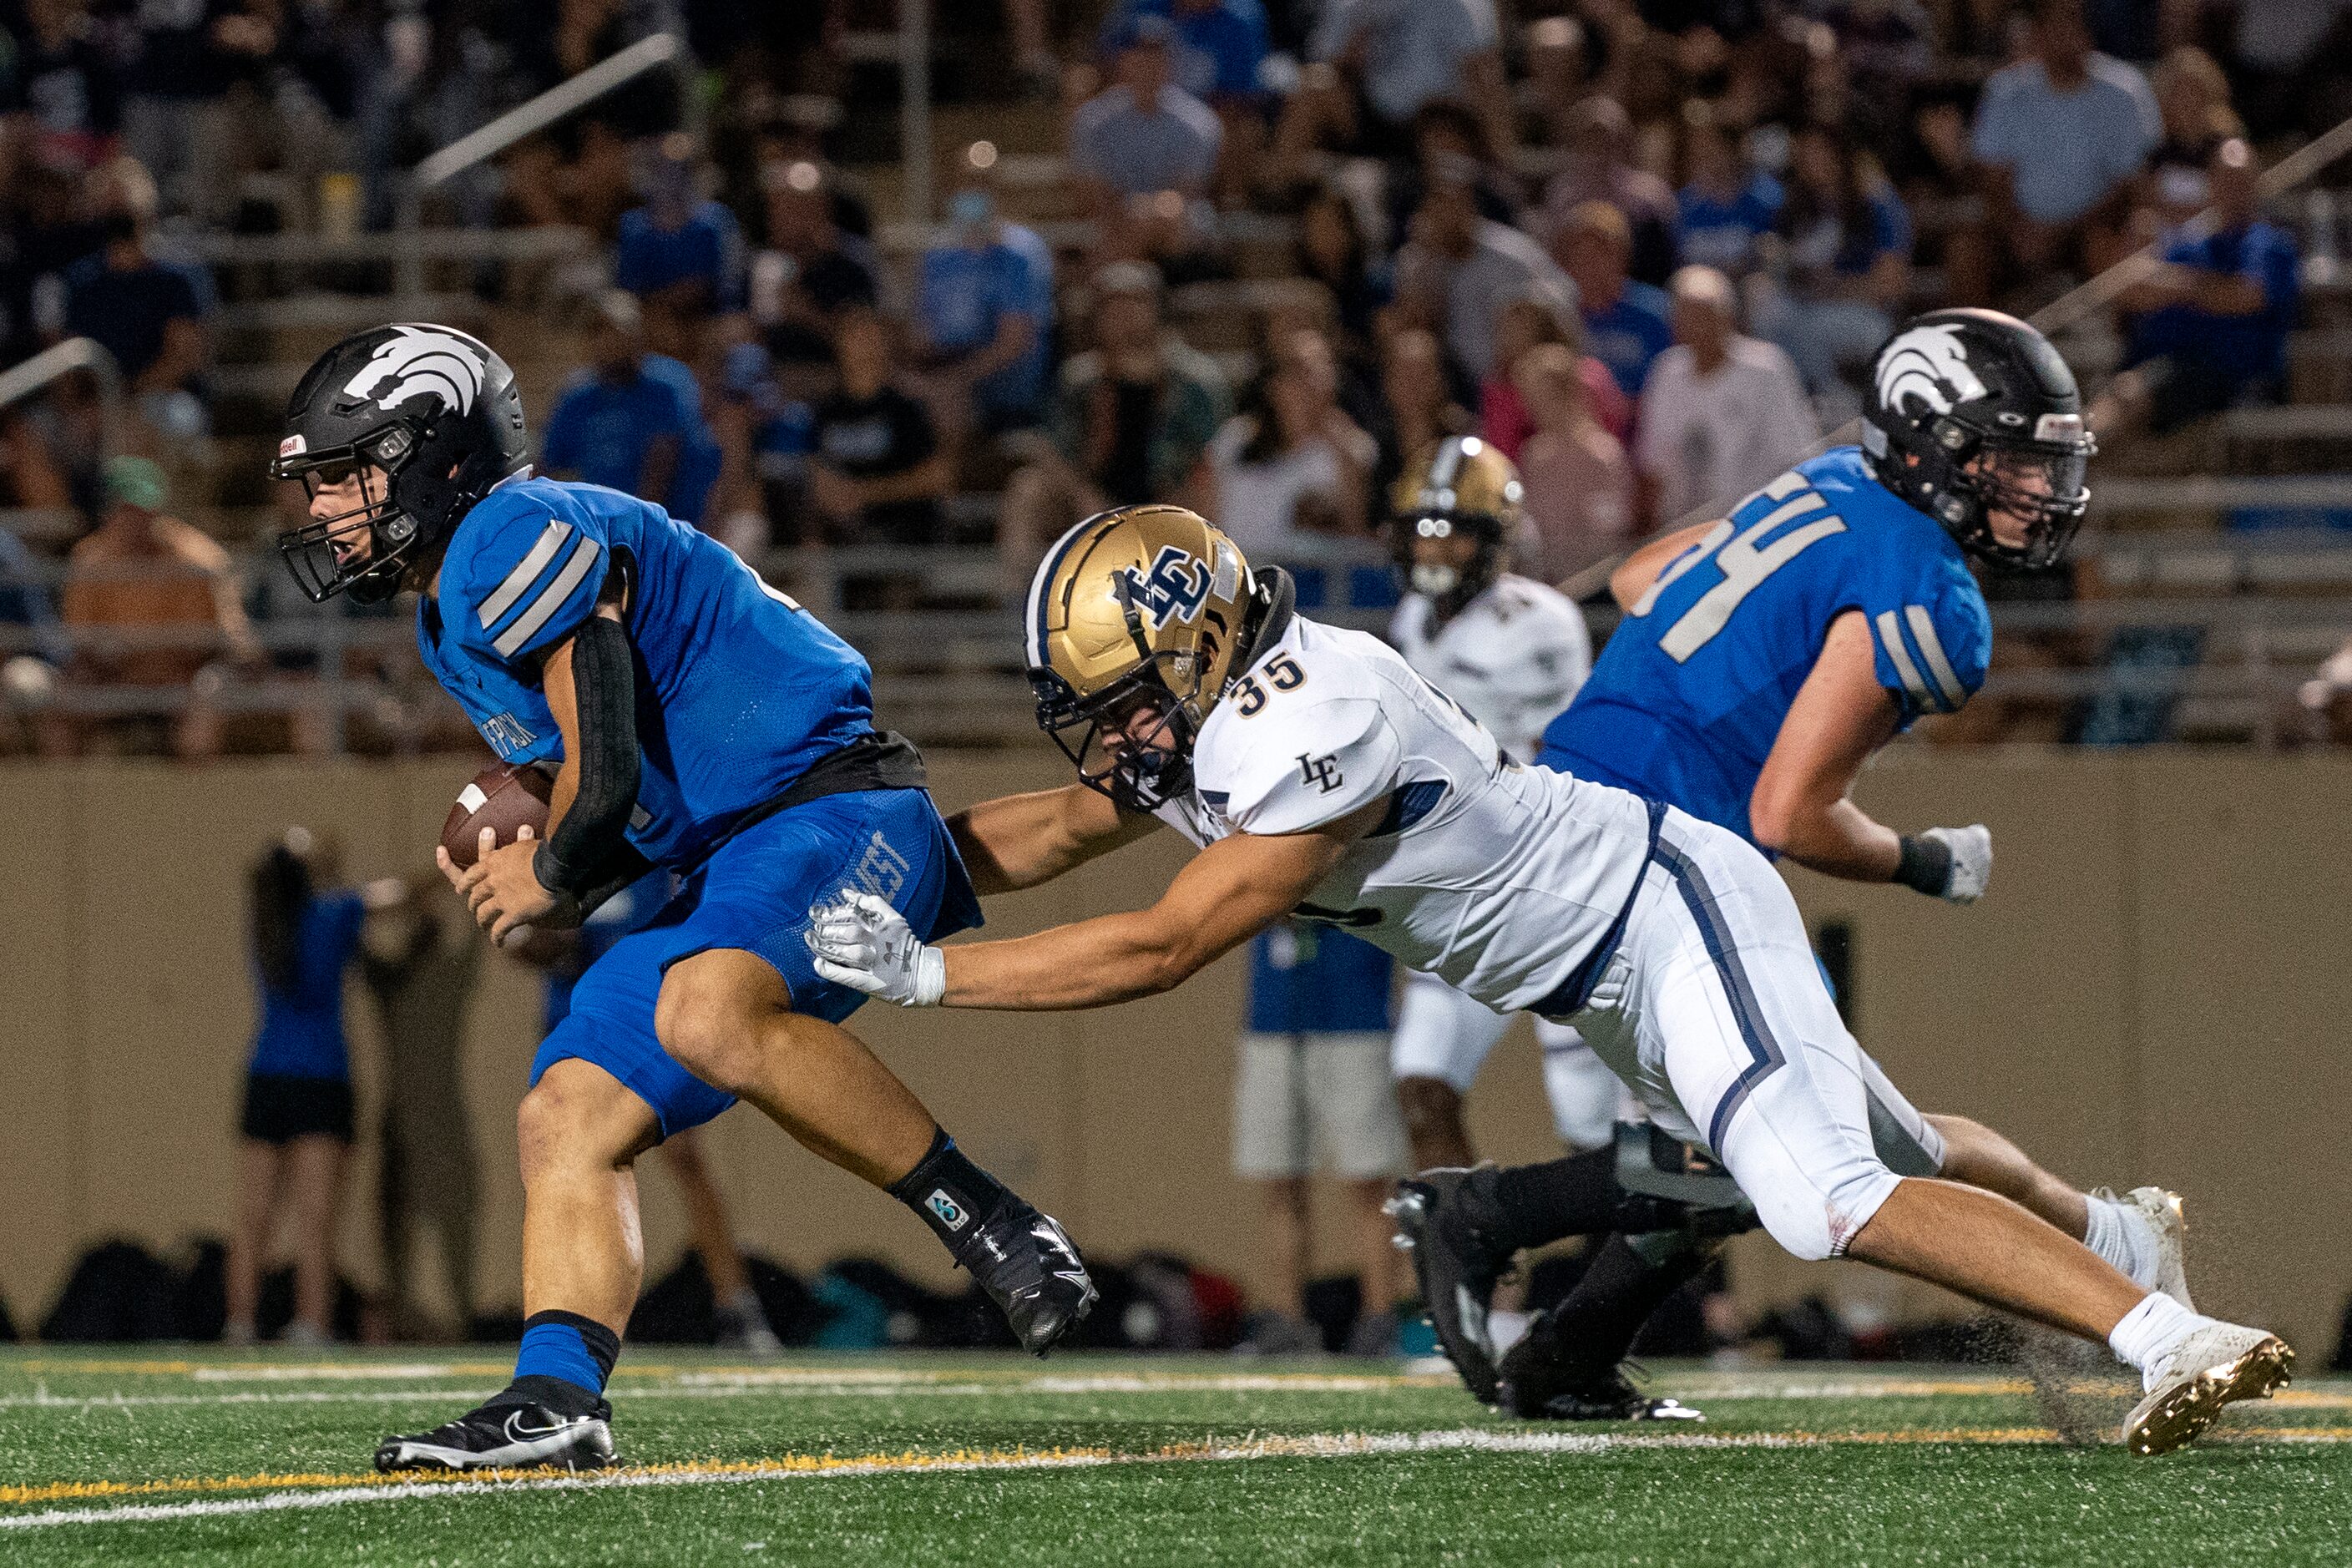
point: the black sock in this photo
(1606, 1310)
(1539, 1204)
(953, 1195)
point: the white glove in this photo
(1971, 848)
(862, 943)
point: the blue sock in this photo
(570, 1347)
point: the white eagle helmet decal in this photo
(1929, 365)
(420, 360)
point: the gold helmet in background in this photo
(1460, 486)
(1146, 607)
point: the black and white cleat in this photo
(1032, 1271)
(1439, 1220)
(1609, 1397)
(510, 1433)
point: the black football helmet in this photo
(1973, 414)
(435, 411)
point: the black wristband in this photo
(1926, 866)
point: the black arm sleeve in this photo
(579, 857)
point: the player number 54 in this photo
(1744, 563)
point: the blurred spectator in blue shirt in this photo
(633, 420)
(147, 312)
(1725, 209)
(1217, 48)
(1389, 57)
(765, 439)
(2060, 136)
(1626, 324)
(983, 305)
(1145, 134)
(1842, 269)
(297, 1127)
(2208, 329)
(680, 253)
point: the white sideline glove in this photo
(1971, 848)
(862, 943)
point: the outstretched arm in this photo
(1020, 840)
(1233, 890)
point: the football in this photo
(507, 798)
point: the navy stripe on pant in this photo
(1725, 954)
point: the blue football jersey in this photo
(1685, 701)
(739, 689)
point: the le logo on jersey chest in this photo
(1322, 772)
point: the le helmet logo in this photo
(1928, 366)
(1322, 772)
(1174, 589)
(420, 362)
(951, 1214)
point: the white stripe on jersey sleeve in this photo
(1890, 636)
(519, 581)
(526, 626)
(1931, 648)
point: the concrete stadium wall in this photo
(2154, 990)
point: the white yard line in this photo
(1318, 1446)
(855, 1383)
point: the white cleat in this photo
(2162, 1210)
(2219, 1364)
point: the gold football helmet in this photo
(1144, 609)
(1461, 486)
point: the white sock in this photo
(2124, 1237)
(2150, 1331)
(744, 1302)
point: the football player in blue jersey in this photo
(1762, 659)
(697, 720)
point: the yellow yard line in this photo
(1319, 1445)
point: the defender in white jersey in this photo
(1512, 652)
(1321, 776)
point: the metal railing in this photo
(955, 676)
(659, 52)
(21, 381)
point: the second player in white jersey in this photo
(1512, 652)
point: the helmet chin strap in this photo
(1436, 580)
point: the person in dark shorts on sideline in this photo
(297, 1127)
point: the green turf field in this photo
(260, 1459)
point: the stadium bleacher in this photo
(291, 277)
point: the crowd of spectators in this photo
(1646, 246)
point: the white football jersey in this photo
(1500, 880)
(1514, 656)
